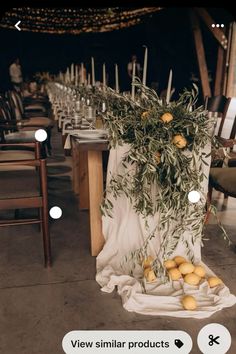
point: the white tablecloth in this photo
(126, 232)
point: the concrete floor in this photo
(39, 306)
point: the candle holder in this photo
(90, 116)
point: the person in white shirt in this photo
(130, 67)
(16, 74)
(82, 75)
(130, 71)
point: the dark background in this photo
(167, 34)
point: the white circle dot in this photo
(40, 135)
(222, 25)
(55, 212)
(217, 25)
(213, 25)
(194, 196)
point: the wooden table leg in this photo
(75, 168)
(95, 179)
(82, 177)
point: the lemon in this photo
(192, 279)
(145, 115)
(157, 156)
(189, 302)
(186, 268)
(174, 274)
(200, 271)
(167, 117)
(169, 263)
(179, 260)
(147, 262)
(179, 141)
(146, 270)
(150, 276)
(214, 281)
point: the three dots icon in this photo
(217, 25)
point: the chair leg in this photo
(46, 234)
(48, 142)
(46, 238)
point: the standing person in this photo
(130, 69)
(16, 74)
(130, 66)
(82, 73)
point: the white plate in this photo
(91, 134)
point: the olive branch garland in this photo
(166, 153)
(155, 158)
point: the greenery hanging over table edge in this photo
(166, 148)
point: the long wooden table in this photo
(88, 184)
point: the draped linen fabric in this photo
(126, 232)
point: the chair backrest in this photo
(224, 109)
(16, 104)
(227, 127)
(8, 106)
(6, 116)
(5, 111)
(216, 103)
(38, 164)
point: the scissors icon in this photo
(213, 340)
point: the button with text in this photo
(127, 342)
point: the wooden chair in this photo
(225, 110)
(28, 111)
(220, 177)
(32, 118)
(17, 131)
(223, 179)
(20, 189)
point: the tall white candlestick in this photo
(104, 76)
(89, 79)
(82, 73)
(145, 66)
(133, 76)
(168, 92)
(93, 72)
(76, 75)
(116, 78)
(67, 75)
(72, 72)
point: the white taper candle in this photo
(104, 76)
(116, 78)
(76, 75)
(89, 79)
(82, 73)
(132, 85)
(93, 71)
(168, 92)
(145, 66)
(72, 72)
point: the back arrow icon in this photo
(17, 25)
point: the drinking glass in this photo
(90, 116)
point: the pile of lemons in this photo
(180, 268)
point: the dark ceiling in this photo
(167, 34)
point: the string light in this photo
(75, 20)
